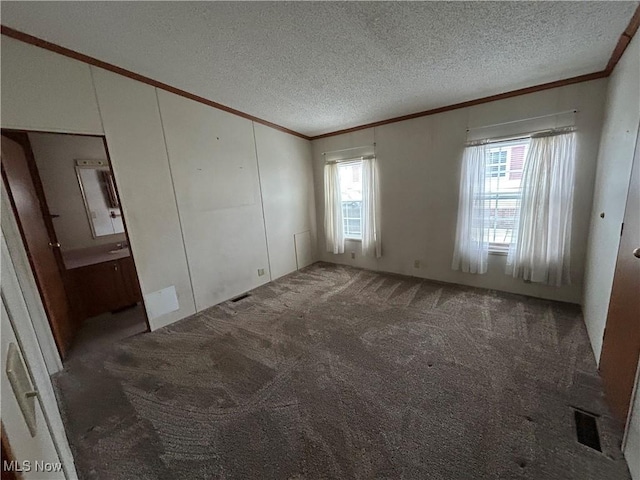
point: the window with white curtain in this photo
(351, 205)
(505, 161)
(517, 197)
(541, 249)
(351, 193)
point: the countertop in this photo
(92, 255)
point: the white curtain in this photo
(371, 242)
(333, 228)
(541, 250)
(471, 252)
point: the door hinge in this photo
(621, 228)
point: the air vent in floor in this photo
(241, 297)
(587, 429)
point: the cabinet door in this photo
(131, 287)
(100, 287)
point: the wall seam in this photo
(264, 219)
(175, 198)
(95, 96)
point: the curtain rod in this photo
(350, 160)
(574, 110)
(522, 136)
(347, 149)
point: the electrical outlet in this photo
(416, 264)
(260, 272)
(353, 255)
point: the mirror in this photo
(100, 198)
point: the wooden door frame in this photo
(21, 140)
(26, 279)
(21, 137)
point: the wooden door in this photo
(38, 242)
(621, 344)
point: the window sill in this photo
(353, 239)
(498, 248)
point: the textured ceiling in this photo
(316, 67)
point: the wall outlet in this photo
(260, 272)
(353, 255)
(416, 264)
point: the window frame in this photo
(345, 220)
(344, 164)
(500, 164)
(501, 248)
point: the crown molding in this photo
(478, 101)
(624, 41)
(52, 47)
(618, 51)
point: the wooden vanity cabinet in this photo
(105, 287)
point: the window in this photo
(351, 192)
(503, 191)
(497, 163)
(495, 216)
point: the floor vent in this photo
(241, 297)
(587, 429)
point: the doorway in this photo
(65, 200)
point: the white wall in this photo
(200, 218)
(55, 156)
(286, 178)
(241, 197)
(140, 165)
(622, 116)
(419, 163)
(45, 91)
(215, 174)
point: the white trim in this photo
(50, 129)
(351, 148)
(351, 161)
(15, 302)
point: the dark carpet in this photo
(336, 372)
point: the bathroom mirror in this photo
(100, 198)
